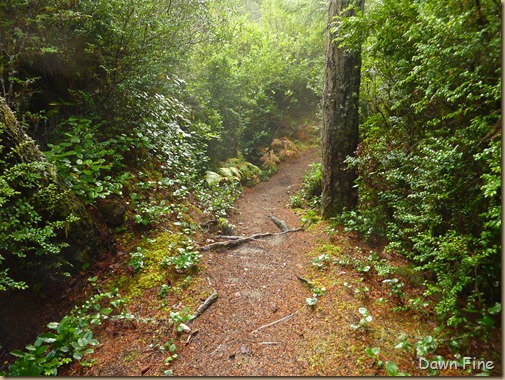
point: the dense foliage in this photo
(429, 161)
(262, 73)
(153, 104)
(142, 101)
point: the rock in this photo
(112, 210)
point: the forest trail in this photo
(256, 285)
(261, 324)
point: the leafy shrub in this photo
(312, 185)
(151, 211)
(71, 339)
(28, 230)
(87, 164)
(364, 322)
(217, 199)
(185, 258)
(428, 164)
(136, 259)
(295, 201)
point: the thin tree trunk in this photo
(340, 135)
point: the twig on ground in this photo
(269, 343)
(204, 306)
(191, 335)
(275, 322)
(305, 281)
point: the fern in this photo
(231, 174)
(213, 178)
(234, 170)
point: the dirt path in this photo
(256, 285)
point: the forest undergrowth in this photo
(130, 129)
(364, 311)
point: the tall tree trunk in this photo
(17, 148)
(340, 133)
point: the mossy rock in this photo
(112, 211)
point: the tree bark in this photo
(82, 235)
(340, 134)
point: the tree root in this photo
(279, 223)
(236, 241)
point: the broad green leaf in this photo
(392, 368)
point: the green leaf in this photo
(372, 352)
(495, 309)
(18, 353)
(392, 368)
(486, 321)
(53, 325)
(88, 335)
(311, 301)
(47, 337)
(82, 342)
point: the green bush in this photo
(70, 339)
(87, 164)
(312, 189)
(429, 161)
(28, 231)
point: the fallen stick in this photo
(269, 343)
(237, 242)
(275, 322)
(190, 337)
(305, 281)
(204, 306)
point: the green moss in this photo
(154, 251)
(330, 249)
(154, 273)
(129, 356)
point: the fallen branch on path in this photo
(236, 242)
(229, 237)
(204, 306)
(275, 322)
